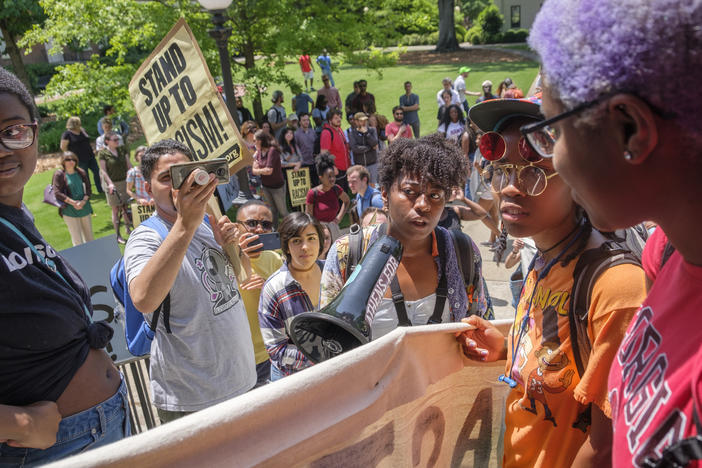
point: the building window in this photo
(515, 16)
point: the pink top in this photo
(326, 205)
(392, 128)
(657, 373)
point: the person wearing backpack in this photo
(617, 127)
(435, 281)
(203, 353)
(578, 297)
(276, 116)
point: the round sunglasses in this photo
(530, 179)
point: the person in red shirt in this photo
(397, 129)
(327, 202)
(621, 137)
(267, 165)
(307, 70)
(333, 141)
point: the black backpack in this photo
(464, 256)
(316, 149)
(278, 115)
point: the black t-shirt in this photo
(43, 325)
(79, 145)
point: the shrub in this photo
(515, 35)
(433, 38)
(475, 35)
(460, 32)
(491, 21)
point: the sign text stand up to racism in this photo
(175, 96)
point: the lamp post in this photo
(220, 34)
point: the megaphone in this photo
(342, 325)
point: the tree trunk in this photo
(15, 56)
(447, 32)
(249, 63)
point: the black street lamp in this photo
(221, 35)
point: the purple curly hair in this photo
(652, 49)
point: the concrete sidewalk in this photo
(497, 277)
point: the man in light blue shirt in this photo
(324, 62)
(366, 196)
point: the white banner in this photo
(409, 398)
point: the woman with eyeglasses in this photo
(290, 291)
(626, 135)
(558, 412)
(114, 165)
(76, 140)
(57, 384)
(72, 187)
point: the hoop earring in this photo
(628, 156)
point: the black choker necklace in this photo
(542, 252)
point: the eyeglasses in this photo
(530, 178)
(70, 160)
(265, 224)
(399, 113)
(19, 136)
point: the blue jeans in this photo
(327, 71)
(276, 374)
(93, 166)
(100, 425)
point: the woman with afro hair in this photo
(327, 202)
(416, 179)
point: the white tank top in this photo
(418, 313)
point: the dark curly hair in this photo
(10, 84)
(323, 162)
(154, 152)
(432, 158)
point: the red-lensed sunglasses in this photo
(493, 147)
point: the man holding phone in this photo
(205, 356)
(255, 219)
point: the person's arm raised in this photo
(153, 283)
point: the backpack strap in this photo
(155, 223)
(682, 452)
(465, 256)
(668, 251)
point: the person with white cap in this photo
(487, 92)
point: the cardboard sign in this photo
(175, 96)
(298, 185)
(409, 398)
(141, 213)
(93, 261)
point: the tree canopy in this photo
(263, 34)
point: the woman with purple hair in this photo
(622, 131)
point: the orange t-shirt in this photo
(542, 409)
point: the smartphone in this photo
(270, 241)
(219, 167)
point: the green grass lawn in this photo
(426, 81)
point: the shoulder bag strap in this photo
(442, 288)
(399, 300)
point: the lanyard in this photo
(525, 320)
(42, 259)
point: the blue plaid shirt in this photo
(282, 298)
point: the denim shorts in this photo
(100, 425)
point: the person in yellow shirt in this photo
(557, 411)
(255, 217)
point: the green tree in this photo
(16, 16)
(447, 29)
(472, 8)
(263, 33)
(491, 21)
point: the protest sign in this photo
(409, 398)
(298, 186)
(93, 261)
(175, 96)
(141, 213)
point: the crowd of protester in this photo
(608, 375)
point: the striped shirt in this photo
(134, 175)
(282, 298)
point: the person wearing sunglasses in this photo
(626, 135)
(57, 383)
(114, 165)
(557, 414)
(72, 187)
(254, 218)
